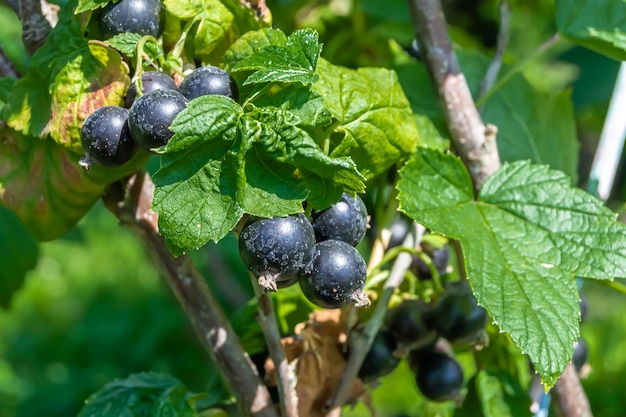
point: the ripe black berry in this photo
(459, 318)
(276, 249)
(583, 307)
(106, 138)
(150, 117)
(580, 354)
(439, 377)
(136, 16)
(150, 81)
(379, 360)
(412, 324)
(439, 257)
(345, 220)
(335, 276)
(209, 80)
(399, 230)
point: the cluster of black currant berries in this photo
(320, 255)
(111, 135)
(424, 334)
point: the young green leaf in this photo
(18, 255)
(86, 5)
(307, 105)
(126, 43)
(372, 112)
(524, 239)
(293, 62)
(251, 43)
(144, 394)
(595, 24)
(222, 162)
(6, 86)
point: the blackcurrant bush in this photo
(209, 80)
(276, 249)
(440, 258)
(150, 117)
(136, 16)
(151, 80)
(379, 360)
(412, 324)
(580, 354)
(345, 220)
(335, 276)
(439, 376)
(106, 138)
(459, 318)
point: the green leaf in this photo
(43, 183)
(18, 255)
(293, 62)
(531, 125)
(373, 114)
(222, 162)
(251, 43)
(143, 394)
(307, 105)
(85, 5)
(494, 394)
(596, 24)
(524, 239)
(6, 86)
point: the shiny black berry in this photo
(150, 117)
(209, 80)
(106, 138)
(150, 81)
(399, 230)
(276, 249)
(144, 17)
(335, 276)
(412, 324)
(439, 376)
(440, 258)
(345, 220)
(580, 354)
(459, 318)
(379, 360)
(583, 307)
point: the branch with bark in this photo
(475, 143)
(130, 201)
(35, 27)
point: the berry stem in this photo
(285, 378)
(130, 201)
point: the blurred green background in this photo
(93, 308)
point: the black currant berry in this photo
(439, 377)
(459, 318)
(440, 258)
(335, 276)
(583, 307)
(106, 138)
(412, 324)
(209, 80)
(144, 17)
(345, 220)
(150, 117)
(399, 230)
(150, 81)
(379, 360)
(276, 249)
(580, 354)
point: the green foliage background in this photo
(94, 308)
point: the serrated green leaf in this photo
(524, 239)
(307, 105)
(596, 24)
(43, 183)
(144, 394)
(373, 114)
(6, 86)
(531, 125)
(223, 161)
(251, 43)
(18, 255)
(294, 62)
(94, 78)
(126, 43)
(86, 5)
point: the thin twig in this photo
(35, 27)
(474, 142)
(503, 39)
(360, 341)
(285, 378)
(131, 203)
(7, 69)
(569, 396)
